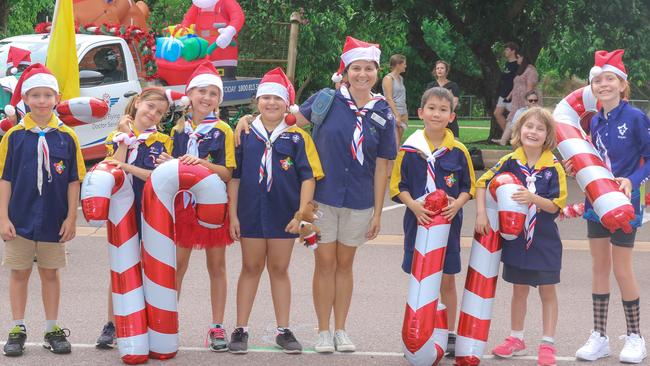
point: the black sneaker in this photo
(57, 340)
(217, 339)
(451, 346)
(15, 345)
(107, 339)
(238, 341)
(288, 342)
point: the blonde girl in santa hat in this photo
(277, 169)
(621, 133)
(134, 147)
(202, 138)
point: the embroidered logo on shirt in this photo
(154, 150)
(622, 129)
(286, 163)
(450, 180)
(216, 134)
(295, 138)
(547, 174)
(379, 119)
(59, 167)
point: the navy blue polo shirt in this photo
(217, 145)
(622, 139)
(148, 152)
(454, 174)
(37, 216)
(262, 213)
(346, 182)
(545, 254)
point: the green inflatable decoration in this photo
(193, 47)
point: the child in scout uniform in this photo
(202, 138)
(534, 258)
(42, 166)
(134, 146)
(412, 179)
(277, 168)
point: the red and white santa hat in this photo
(204, 75)
(34, 76)
(176, 99)
(276, 82)
(16, 57)
(355, 50)
(608, 61)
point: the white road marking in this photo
(310, 351)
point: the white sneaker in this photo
(325, 342)
(595, 348)
(634, 350)
(342, 342)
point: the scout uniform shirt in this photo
(545, 252)
(623, 142)
(214, 141)
(37, 216)
(454, 174)
(148, 152)
(264, 213)
(348, 183)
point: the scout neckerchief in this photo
(266, 163)
(357, 137)
(197, 133)
(417, 143)
(43, 150)
(531, 217)
(142, 137)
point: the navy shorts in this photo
(519, 276)
(596, 230)
(452, 262)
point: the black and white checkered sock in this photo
(601, 306)
(632, 316)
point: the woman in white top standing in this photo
(395, 94)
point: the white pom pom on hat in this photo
(293, 109)
(337, 78)
(605, 61)
(10, 110)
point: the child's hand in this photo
(293, 227)
(163, 157)
(373, 229)
(452, 208)
(234, 228)
(243, 125)
(524, 196)
(7, 230)
(191, 160)
(568, 168)
(124, 125)
(68, 229)
(482, 225)
(625, 186)
(421, 214)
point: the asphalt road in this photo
(375, 317)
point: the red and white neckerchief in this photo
(266, 164)
(132, 153)
(197, 133)
(357, 138)
(531, 218)
(43, 153)
(418, 143)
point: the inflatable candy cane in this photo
(571, 211)
(594, 177)
(107, 194)
(159, 250)
(423, 338)
(82, 110)
(483, 273)
(512, 215)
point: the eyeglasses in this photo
(533, 100)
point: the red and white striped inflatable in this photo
(571, 211)
(82, 110)
(594, 177)
(159, 250)
(422, 333)
(107, 194)
(512, 215)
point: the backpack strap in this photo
(319, 109)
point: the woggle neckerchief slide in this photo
(143, 279)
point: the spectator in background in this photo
(526, 80)
(395, 94)
(505, 86)
(440, 72)
(532, 100)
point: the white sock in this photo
(245, 328)
(519, 334)
(547, 339)
(49, 325)
(216, 325)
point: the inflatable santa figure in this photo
(17, 60)
(219, 22)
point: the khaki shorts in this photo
(19, 254)
(345, 225)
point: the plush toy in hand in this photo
(309, 233)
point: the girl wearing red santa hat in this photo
(621, 133)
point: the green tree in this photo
(20, 16)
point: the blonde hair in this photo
(541, 115)
(153, 93)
